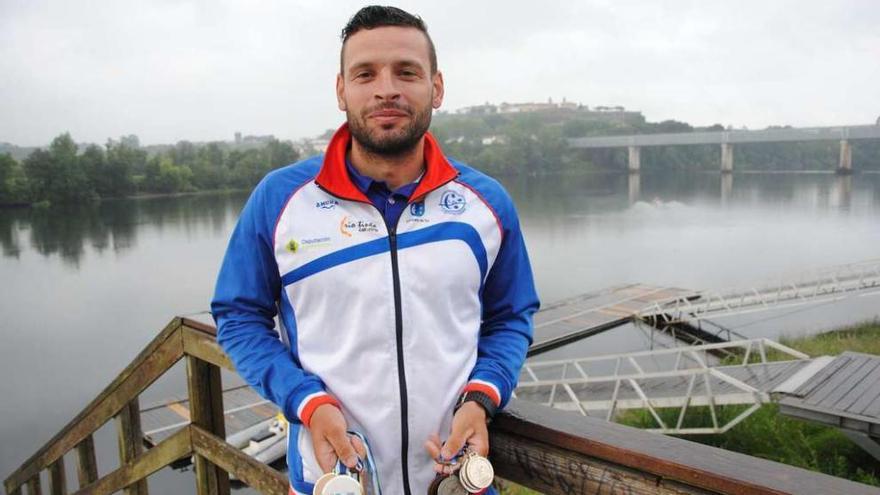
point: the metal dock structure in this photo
(844, 394)
(685, 314)
(680, 378)
(583, 316)
(828, 284)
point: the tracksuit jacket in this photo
(391, 324)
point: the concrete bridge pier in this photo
(844, 165)
(726, 158)
(635, 159)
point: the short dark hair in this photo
(374, 16)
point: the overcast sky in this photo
(168, 70)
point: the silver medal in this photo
(322, 481)
(342, 484)
(451, 485)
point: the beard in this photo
(379, 141)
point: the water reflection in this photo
(71, 231)
(841, 192)
(726, 189)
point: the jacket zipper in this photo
(401, 371)
(398, 328)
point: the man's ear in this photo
(340, 91)
(437, 82)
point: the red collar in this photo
(334, 177)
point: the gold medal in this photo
(476, 473)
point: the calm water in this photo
(85, 289)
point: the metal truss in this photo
(679, 378)
(826, 285)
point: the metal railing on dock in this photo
(551, 451)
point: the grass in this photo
(863, 337)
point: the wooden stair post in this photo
(86, 464)
(57, 478)
(128, 425)
(206, 412)
(33, 485)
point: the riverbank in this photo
(140, 196)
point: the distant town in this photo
(317, 144)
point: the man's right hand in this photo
(331, 441)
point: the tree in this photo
(122, 160)
(13, 183)
(58, 175)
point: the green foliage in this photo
(770, 435)
(862, 337)
(13, 182)
(58, 174)
(63, 175)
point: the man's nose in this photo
(386, 86)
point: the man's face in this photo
(386, 88)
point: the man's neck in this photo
(395, 171)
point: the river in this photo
(86, 288)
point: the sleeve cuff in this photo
(311, 402)
(485, 387)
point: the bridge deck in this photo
(732, 137)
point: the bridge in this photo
(727, 140)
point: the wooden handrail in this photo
(545, 449)
(559, 452)
(182, 337)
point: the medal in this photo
(450, 485)
(435, 483)
(476, 473)
(339, 482)
(322, 481)
(343, 484)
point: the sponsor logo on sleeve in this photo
(327, 204)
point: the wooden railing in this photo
(541, 448)
(204, 438)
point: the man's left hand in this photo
(468, 427)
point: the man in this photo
(399, 276)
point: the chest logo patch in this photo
(417, 209)
(294, 245)
(453, 203)
(349, 226)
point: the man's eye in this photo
(362, 75)
(408, 73)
